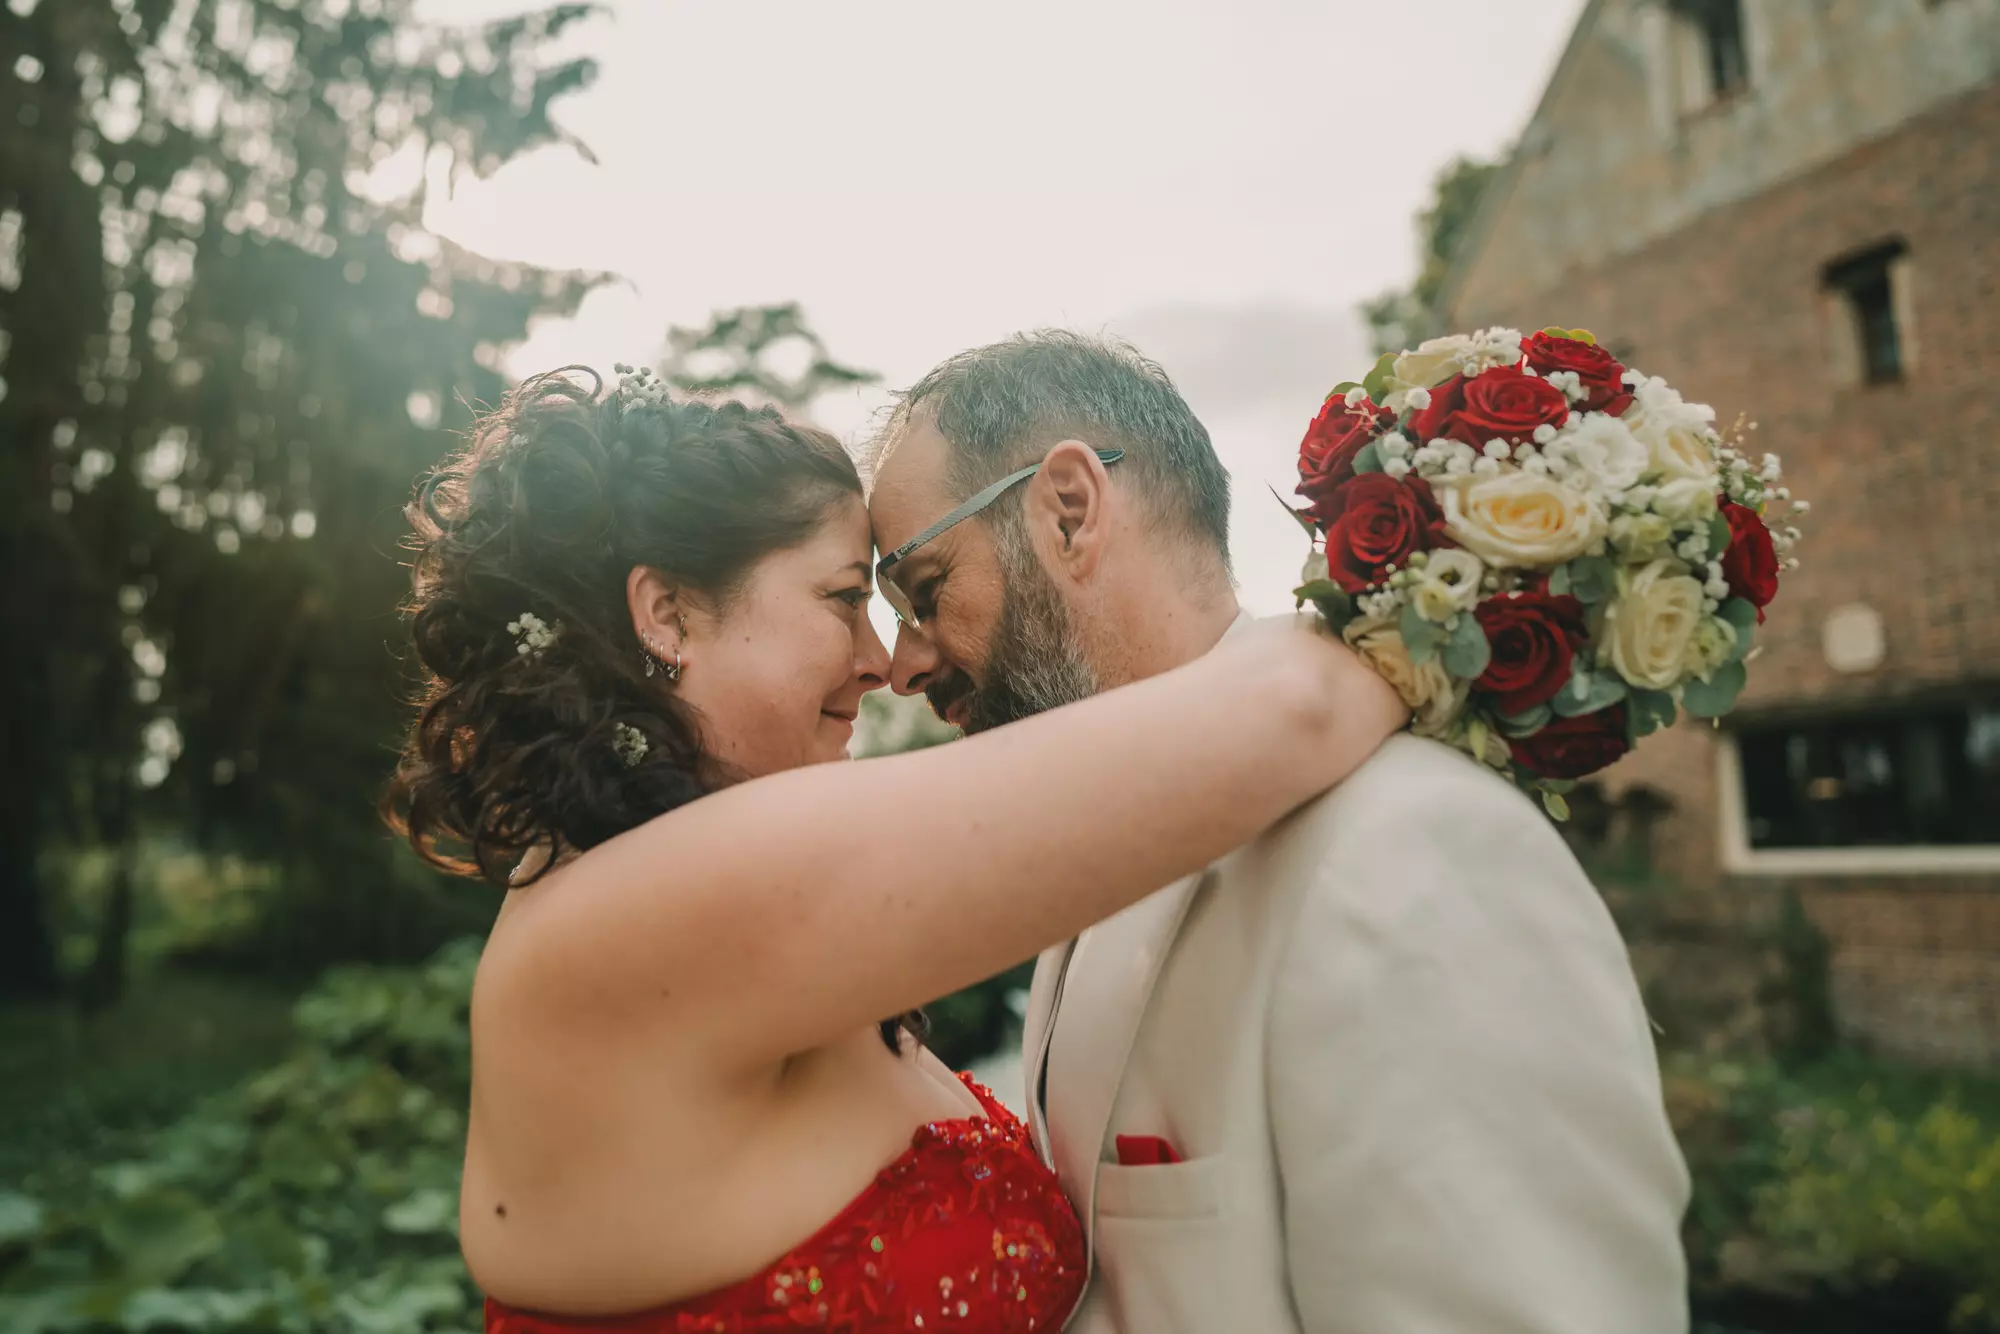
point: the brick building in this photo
(1791, 209)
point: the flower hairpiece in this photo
(533, 632)
(629, 744)
(639, 387)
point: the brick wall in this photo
(1905, 485)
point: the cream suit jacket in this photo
(1398, 1044)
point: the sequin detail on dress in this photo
(966, 1232)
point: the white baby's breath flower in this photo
(1396, 468)
(1543, 434)
(629, 744)
(1711, 645)
(1356, 397)
(532, 633)
(1418, 399)
(1497, 449)
(1394, 445)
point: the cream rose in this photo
(1520, 518)
(1650, 627)
(1434, 361)
(1434, 698)
(1675, 433)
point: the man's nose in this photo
(915, 659)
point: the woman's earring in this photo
(656, 661)
(674, 670)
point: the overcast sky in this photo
(1219, 182)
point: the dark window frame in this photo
(1725, 44)
(1866, 283)
(1919, 775)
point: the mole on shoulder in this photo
(500, 1209)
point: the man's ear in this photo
(1066, 507)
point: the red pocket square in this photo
(1145, 1151)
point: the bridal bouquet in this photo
(1548, 554)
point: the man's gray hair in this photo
(1003, 406)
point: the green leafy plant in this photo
(319, 1195)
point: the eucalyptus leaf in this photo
(1739, 612)
(1422, 638)
(1554, 804)
(1718, 536)
(1587, 692)
(1651, 710)
(1340, 390)
(1592, 578)
(1369, 459)
(1467, 653)
(1529, 723)
(1316, 589)
(1717, 695)
(1559, 581)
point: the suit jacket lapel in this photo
(1112, 969)
(1044, 998)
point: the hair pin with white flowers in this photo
(640, 387)
(630, 744)
(533, 633)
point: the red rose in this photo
(1505, 403)
(1750, 565)
(1574, 747)
(1377, 522)
(1602, 375)
(1326, 455)
(1534, 638)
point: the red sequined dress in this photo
(966, 1232)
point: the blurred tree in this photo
(228, 345)
(1399, 320)
(764, 354)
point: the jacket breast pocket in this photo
(1162, 1248)
(1191, 1189)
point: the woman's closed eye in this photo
(857, 598)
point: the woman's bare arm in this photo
(784, 912)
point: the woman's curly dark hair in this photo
(556, 497)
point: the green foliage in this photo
(230, 347)
(763, 353)
(1846, 1179)
(320, 1195)
(1398, 320)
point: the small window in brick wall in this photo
(1714, 55)
(1922, 778)
(1870, 299)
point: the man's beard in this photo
(1034, 663)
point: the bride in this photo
(644, 625)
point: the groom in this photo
(1382, 1071)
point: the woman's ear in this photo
(1066, 507)
(655, 604)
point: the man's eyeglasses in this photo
(892, 592)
